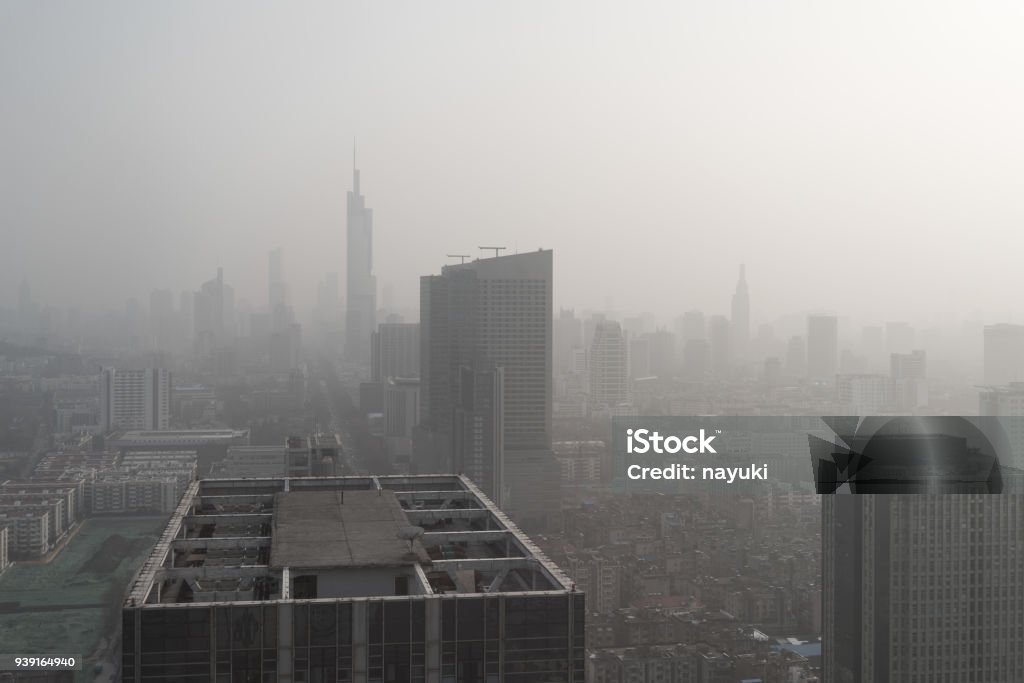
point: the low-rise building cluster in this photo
(696, 588)
(38, 515)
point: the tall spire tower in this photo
(361, 285)
(741, 319)
(355, 169)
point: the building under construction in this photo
(398, 578)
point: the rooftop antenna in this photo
(410, 534)
(459, 256)
(496, 250)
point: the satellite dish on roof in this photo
(410, 534)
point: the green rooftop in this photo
(68, 605)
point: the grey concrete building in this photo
(486, 371)
(390, 579)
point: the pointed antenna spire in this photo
(741, 284)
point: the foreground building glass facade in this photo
(355, 579)
(923, 588)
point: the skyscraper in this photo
(361, 285)
(1007, 401)
(609, 370)
(135, 399)
(740, 321)
(214, 314)
(486, 369)
(923, 588)
(909, 375)
(568, 336)
(1004, 354)
(396, 351)
(822, 348)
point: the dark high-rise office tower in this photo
(478, 426)
(486, 363)
(396, 351)
(1004, 354)
(822, 348)
(361, 285)
(923, 588)
(740, 321)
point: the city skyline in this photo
(586, 364)
(221, 150)
(211, 316)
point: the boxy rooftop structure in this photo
(429, 553)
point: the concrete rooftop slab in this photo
(339, 529)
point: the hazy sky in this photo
(862, 157)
